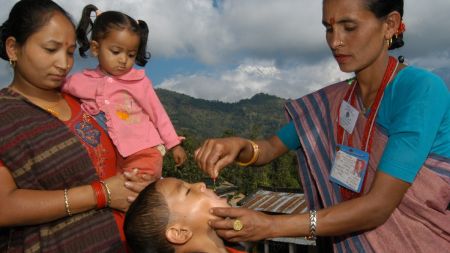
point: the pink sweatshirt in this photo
(136, 119)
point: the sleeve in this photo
(415, 117)
(158, 115)
(288, 136)
(80, 87)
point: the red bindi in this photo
(332, 21)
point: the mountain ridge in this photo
(258, 116)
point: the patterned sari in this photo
(421, 222)
(44, 153)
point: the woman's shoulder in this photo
(13, 107)
(7, 96)
(420, 82)
(424, 77)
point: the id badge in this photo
(349, 167)
(348, 116)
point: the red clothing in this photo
(149, 161)
(98, 145)
(231, 250)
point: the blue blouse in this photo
(415, 111)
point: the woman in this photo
(59, 188)
(395, 118)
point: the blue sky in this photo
(228, 50)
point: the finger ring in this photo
(237, 225)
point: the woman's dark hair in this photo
(25, 18)
(381, 8)
(104, 23)
(146, 221)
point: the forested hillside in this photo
(257, 117)
(261, 115)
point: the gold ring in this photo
(237, 225)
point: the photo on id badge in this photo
(349, 167)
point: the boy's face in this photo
(189, 202)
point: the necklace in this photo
(52, 111)
(364, 109)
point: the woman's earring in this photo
(12, 63)
(389, 42)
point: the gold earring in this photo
(389, 42)
(12, 63)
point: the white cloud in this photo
(284, 39)
(260, 28)
(254, 77)
(257, 28)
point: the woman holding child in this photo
(395, 118)
(60, 187)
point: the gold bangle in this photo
(312, 225)
(108, 193)
(254, 157)
(66, 202)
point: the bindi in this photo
(332, 21)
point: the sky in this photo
(228, 50)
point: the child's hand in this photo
(179, 155)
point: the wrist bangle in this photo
(66, 202)
(254, 157)
(99, 194)
(108, 192)
(312, 225)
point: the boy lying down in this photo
(171, 215)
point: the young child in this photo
(171, 215)
(121, 96)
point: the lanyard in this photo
(366, 141)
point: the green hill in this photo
(259, 116)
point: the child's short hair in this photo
(146, 221)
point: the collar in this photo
(132, 75)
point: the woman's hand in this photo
(119, 192)
(179, 155)
(136, 182)
(215, 154)
(255, 225)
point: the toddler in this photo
(120, 97)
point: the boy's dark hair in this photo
(25, 18)
(146, 221)
(381, 8)
(104, 23)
